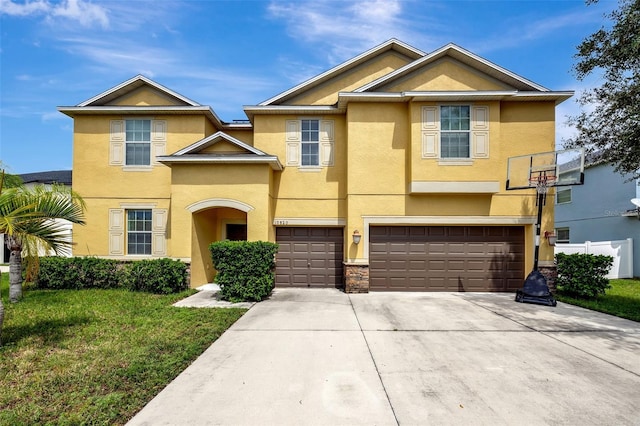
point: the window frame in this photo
(559, 232)
(310, 143)
(147, 245)
(128, 143)
(563, 190)
(459, 131)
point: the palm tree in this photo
(27, 218)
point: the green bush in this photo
(245, 269)
(156, 276)
(161, 276)
(78, 272)
(583, 275)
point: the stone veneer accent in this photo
(551, 274)
(356, 278)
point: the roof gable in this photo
(221, 148)
(462, 56)
(322, 89)
(444, 74)
(129, 92)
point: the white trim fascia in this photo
(139, 77)
(290, 109)
(210, 140)
(476, 187)
(138, 205)
(356, 262)
(439, 220)
(219, 202)
(273, 161)
(309, 221)
(71, 111)
(387, 45)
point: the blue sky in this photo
(227, 54)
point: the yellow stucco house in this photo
(386, 172)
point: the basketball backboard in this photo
(556, 168)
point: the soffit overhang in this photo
(74, 111)
(272, 161)
(453, 96)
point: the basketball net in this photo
(541, 183)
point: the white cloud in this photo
(351, 29)
(80, 11)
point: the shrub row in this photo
(583, 275)
(162, 276)
(245, 269)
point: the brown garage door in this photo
(309, 257)
(446, 258)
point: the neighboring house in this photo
(402, 149)
(599, 210)
(61, 177)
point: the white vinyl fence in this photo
(621, 250)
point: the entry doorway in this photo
(236, 231)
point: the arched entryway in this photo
(213, 220)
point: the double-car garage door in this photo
(407, 258)
(446, 258)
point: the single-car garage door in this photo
(309, 257)
(446, 258)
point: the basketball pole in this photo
(536, 251)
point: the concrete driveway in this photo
(324, 357)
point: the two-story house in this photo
(386, 172)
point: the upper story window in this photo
(309, 143)
(563, 195)
(310, 147)
(455, 129)
(455, 132)
(138, 142)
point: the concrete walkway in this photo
(322, 357)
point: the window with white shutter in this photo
(310, 143)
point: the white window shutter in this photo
(116, 143)
(158, 139)
(480, 131)
(326, 142)
(430, 144)
(292, 143)
(430, 132)
(159, 226)
(430, 119)
(159, 130)
(480, 117)
(480, 144)
(116, 232)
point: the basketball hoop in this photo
(542, 182)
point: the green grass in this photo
(96, 356)
(621, 300)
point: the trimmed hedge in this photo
(583, 275)
(161, 276)
(245, 269)
(155, 276)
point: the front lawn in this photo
(621, 300)
(96, 356)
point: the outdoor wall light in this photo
(551, 238)
(356, 237)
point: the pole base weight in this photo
(535, 290)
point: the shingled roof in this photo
(55, 176)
